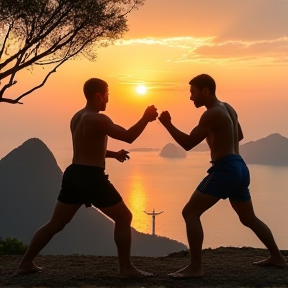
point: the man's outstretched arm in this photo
(128, 135)
(197, 135)
(180, 137)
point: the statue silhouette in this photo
(153, 213)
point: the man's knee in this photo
(246, 222)
(197, 205)
(129, 217)
(125, 218)
(245, 213)
(57, 226)
(185, 213)
(189, 214)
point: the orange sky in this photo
(243, 45)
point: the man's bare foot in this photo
(133, 272)
(27, 269)
(186, 273)
(279, 262)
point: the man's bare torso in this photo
(89, 142)
(223, 135)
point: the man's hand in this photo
(122, 155)
(165, 118)
(150, 113)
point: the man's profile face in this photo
(196, 96)
(104, 99)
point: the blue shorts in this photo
(228, 177)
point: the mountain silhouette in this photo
(271, 150)
(171, 150)
(201, 147)
(30, 180)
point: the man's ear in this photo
(98, 96)
(205, 91)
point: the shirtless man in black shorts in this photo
(228, 177)
(84, 181)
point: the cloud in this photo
(121, 76)
(166, 86)
(175, 42)
(129, 80)
(239, 50)
(211, 49)
(246, 20)
(260, 19)
(210, 31)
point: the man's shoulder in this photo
(209, 116)
(98, 117)
(101, 116)
(228, 106)
(214, 113)
(90, 118)
(219, 108)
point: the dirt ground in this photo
(223, 267)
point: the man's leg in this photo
(248, 218)
(62, 215)
(122, 217)
(197, 205)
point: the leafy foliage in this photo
(12, 246)
(49, 32)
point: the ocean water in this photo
(148, 181)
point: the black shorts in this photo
(87, 185)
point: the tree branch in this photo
(6, 38)
(38, 37)
(12, 76)
(11, 101)
(51, 50)
(5, 87)
(65, 58)
(133, 6)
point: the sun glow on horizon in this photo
(141, 89)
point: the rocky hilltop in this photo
(170, 150)
(271, 150)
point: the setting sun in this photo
(141, 89)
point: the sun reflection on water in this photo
(136, 201)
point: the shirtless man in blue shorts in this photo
(85, 182)
(228, 177)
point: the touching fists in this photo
(165, 118)
(122, 155)
(150, 113)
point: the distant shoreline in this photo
(143, 149)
